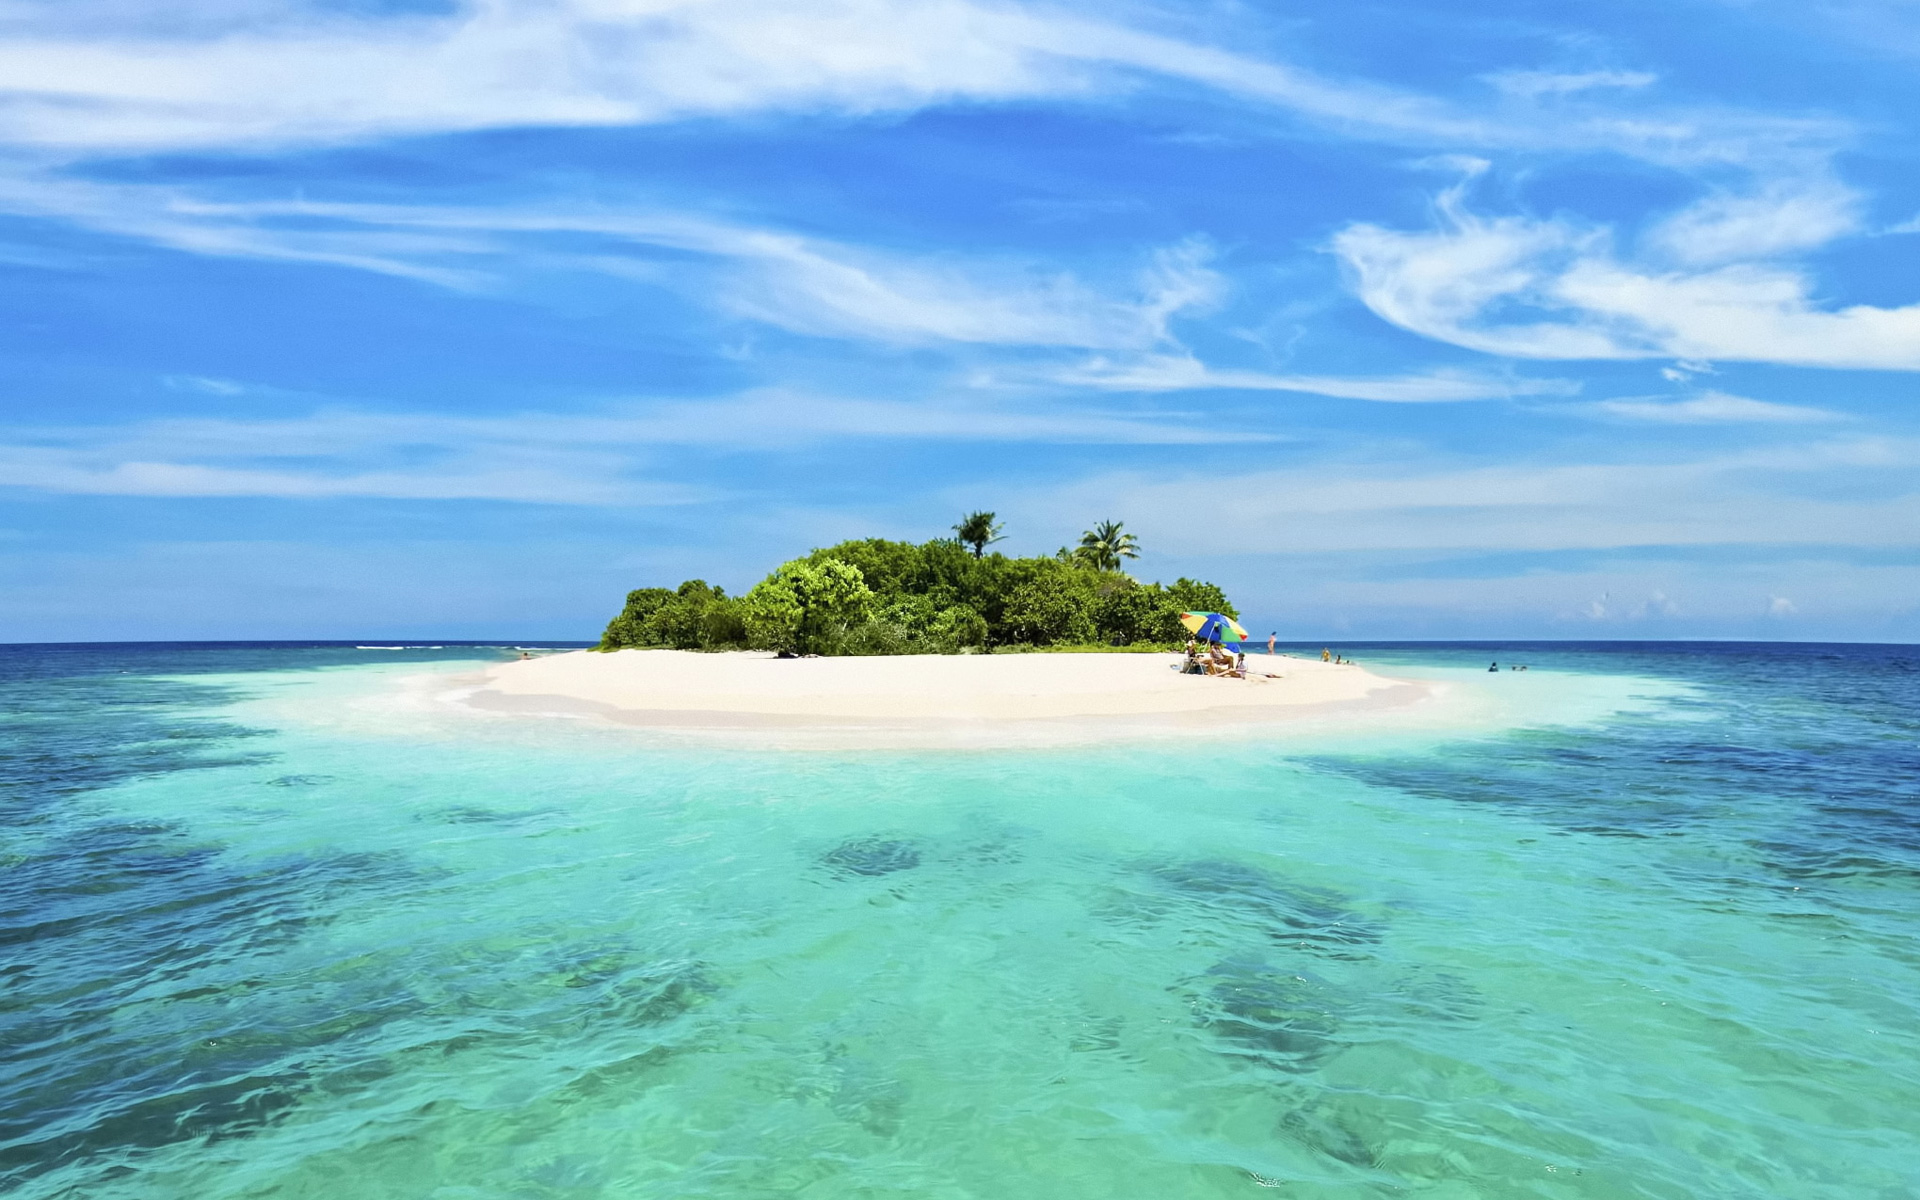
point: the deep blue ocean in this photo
(266, 931)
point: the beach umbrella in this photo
(1213, 627)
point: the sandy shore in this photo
(930, 699)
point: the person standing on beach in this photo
(1270, 638)
(1326, 655)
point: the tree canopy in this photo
(946, 596)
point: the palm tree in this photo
(979, 530)
(1103, 546)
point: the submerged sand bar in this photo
(935, 698)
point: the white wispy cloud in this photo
(1170, 372)
(1684, 370)
(295, 77)
(334, 455)
(1714, 408)
(55, 471)
(803, 284)
(1780, 217)
(203, 384)
(844, 292)
(1555, 289)
(502, 62)
(275, 230)
(620, 456)
(1561, 83)
(1758, 497)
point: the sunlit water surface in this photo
(1647, 931)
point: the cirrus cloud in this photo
(807, 285)
(1169, 373)
(618, 455)
(277, 75)
(1714, 408)
(1555, 289)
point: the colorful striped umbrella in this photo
(1213, 627)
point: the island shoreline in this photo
(932, 701)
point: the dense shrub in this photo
(959, 629)
(1041, 613)
(630, 627)
(1193, 595)
(878, 637)
(1124, 613)
(696, 616)
(806, 607)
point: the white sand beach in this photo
(930, 699)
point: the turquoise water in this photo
(1651, 932)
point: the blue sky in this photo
(458, 319)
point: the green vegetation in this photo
(946, 596)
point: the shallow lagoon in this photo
(1646, 930)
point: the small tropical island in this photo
(939, 644)
(948, 595)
